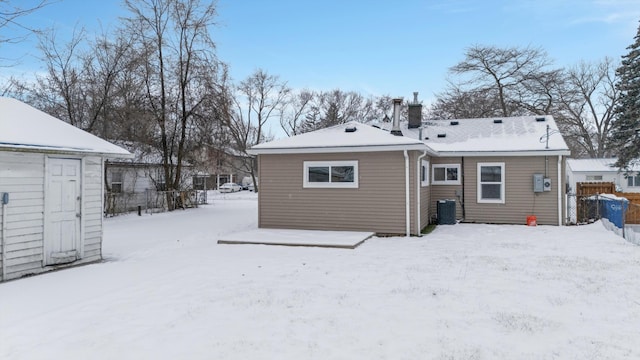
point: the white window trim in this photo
(425, 165)
(349, 185)
(502, 184)
(445, 182)
(116, 182)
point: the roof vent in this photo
(497, 121)
(540, 119)
(442, 135)
(454, 123)
(350, 129)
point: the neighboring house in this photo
(136, 182)
(359, 177)
(52, 175)
(601, 170)
(223, 166)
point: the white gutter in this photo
(4, 247)
(461, 153)
(418, 188)
(407, 197)
(337, 149)
(559, 190)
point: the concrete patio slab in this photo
(288, 237)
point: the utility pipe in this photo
(418, 188)
(559, 190)
(4, 247)
(407, 195)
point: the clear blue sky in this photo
(374, 47)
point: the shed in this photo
(52, 186)
(602, 170)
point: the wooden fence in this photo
(592, 188)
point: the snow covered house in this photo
(52, 191)
(602, 170)
(360, 177)
(137, 182)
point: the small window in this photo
(424, 173)
(116, 182)
(330, 174)
(491, 179)
(446, 174)
(594, 177)
(633, 181)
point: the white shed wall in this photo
(22, 175)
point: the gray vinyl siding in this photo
(22, 176)
(378, 204)
(444, 192)
(425, 195)
(520, 200)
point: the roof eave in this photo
(337, 149)
(564, 152)
(56, 151)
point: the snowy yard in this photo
(167, 290)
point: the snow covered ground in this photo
(167, 290)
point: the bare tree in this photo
(60, 91)
(586, 107)
(520, 81)
(506, 72)
(11, 17)
(455, 103)
(259, 97)
(173, 38)
(336, 107)
(296, 111)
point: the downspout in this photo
(559, 190)
(407, 195)
(464, 211)
(4, 242)
(418, 192)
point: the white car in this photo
(229, 188)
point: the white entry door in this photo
(62, 237)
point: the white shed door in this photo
(62, 237)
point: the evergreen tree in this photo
(626, 133)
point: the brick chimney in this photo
(415, 112)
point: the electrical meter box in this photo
(546, 184)
(538, 183)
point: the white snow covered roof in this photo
(339, 139)
(508, 135)
(595, 165)
(23, 127)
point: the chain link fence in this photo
(152, 201)
(618, 214)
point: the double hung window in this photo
(491, 183)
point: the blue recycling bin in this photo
(614, 210)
